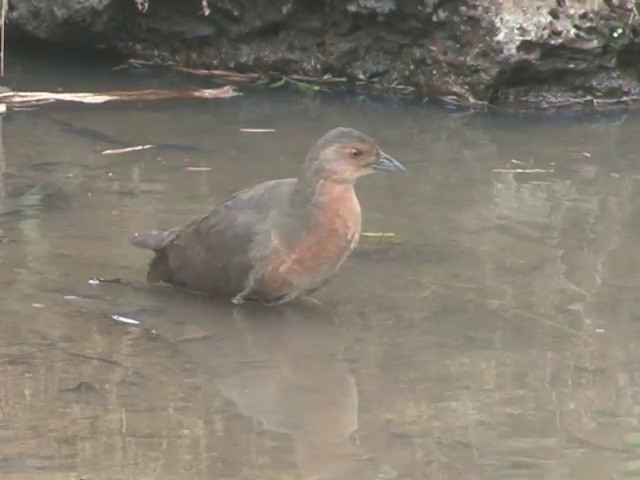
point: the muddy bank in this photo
(531, 53)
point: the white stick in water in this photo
(127, 149)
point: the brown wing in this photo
(212, 253)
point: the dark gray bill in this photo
(386, 162)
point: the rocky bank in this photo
(531, 53)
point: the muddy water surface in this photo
(495, 336)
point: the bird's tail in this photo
(154, 239)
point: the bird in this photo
(277, 240)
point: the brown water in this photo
(495, 336)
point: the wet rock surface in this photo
(534, 53)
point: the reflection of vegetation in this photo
(3, 237)
(525, 339)
(519, 363)
(3, 21)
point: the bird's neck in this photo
(319, 194)
(322, 202)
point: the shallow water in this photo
(495, 336)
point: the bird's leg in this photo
(289, 297)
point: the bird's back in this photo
(212, 253)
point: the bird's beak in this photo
(386, 162)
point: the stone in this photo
(526, 53)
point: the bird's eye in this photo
(355, 153)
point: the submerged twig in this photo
(546, 321)
(522, 170)
(95, 358)
(46, 347)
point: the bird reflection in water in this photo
(282, 366)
